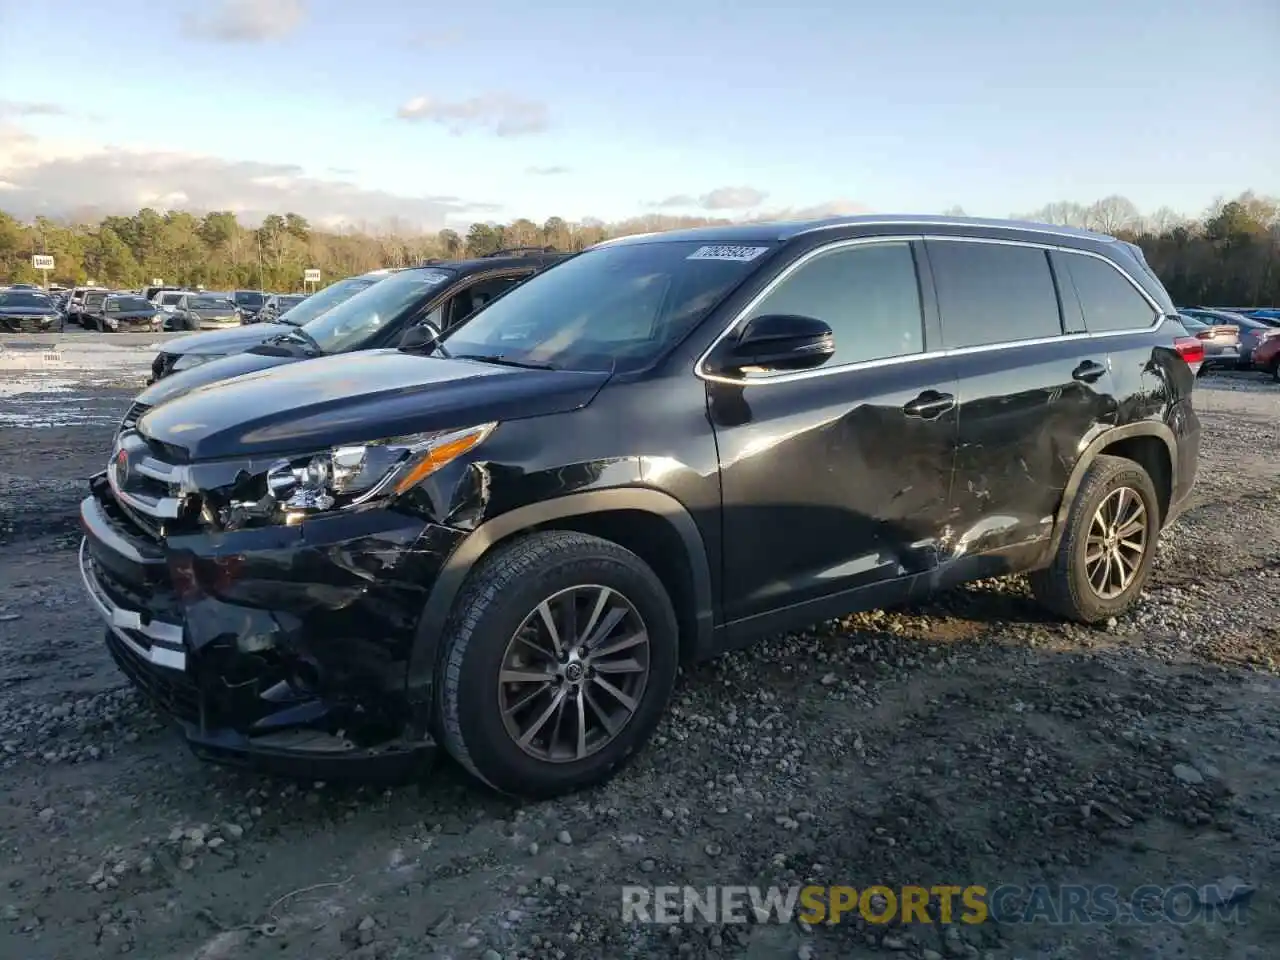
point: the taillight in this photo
(1190, 349)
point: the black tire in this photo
(507, 587)
(1063, 587)
(1275, 371)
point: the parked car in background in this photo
(149, 293)
(277, 304)
(1268, 315)
(166, 301)
(1267, 357)
(24, 310)
(1251, 332)
(413, 301)
(75, 302)
(123, 312)
(505, 538)
(248, 302)
(90, 304)
(1221, 342)
(202, 311)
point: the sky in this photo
(444, 114)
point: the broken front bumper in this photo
(283, 648)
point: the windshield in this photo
(249, 298)
(288, 303)
(32, 301)
(168, 299)
(94, 297)
(609, 308)
(326, 299)
(350, 324)
(210, 303)
(122, 304)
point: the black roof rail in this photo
(518, 251)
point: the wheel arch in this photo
(652, 524)
(1149, 443)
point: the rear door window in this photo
(992, 293)
(1109, 300)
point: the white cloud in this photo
(721, 198)
(27, 108)
(552, 171)
(246, 21)
(841, 207)
(502, 113)
(65, 178)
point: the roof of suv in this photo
(773, 231)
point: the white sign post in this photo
(43, 262)
(310, 276)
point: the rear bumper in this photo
(1224, 358)
(283, 657)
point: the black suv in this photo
(505, 539)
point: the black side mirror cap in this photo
(417, 337)
(779, 341)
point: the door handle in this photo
(1089, 371)
(929, 405)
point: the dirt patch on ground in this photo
(970, 740)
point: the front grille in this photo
(25, 324)
(170, 690)
(134, 414)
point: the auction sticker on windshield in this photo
(432, 277)
(727, 252)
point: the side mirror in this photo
(780, 341)
(418, 337)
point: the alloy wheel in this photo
(1117, 542)
(574, 673)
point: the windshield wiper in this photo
(298, 333)
(503, 361)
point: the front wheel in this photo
(558, 662)
(1104, 557)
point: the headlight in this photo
(188, 360)
(357, 473)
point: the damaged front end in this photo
(275, 629)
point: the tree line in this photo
(1230, 255)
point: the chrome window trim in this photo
(699, 367)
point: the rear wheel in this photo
(558, 663)
(1104, 557)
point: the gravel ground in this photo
(970, 740)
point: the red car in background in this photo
(1266, 357)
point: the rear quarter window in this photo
(991, 293)
(1109, 300)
